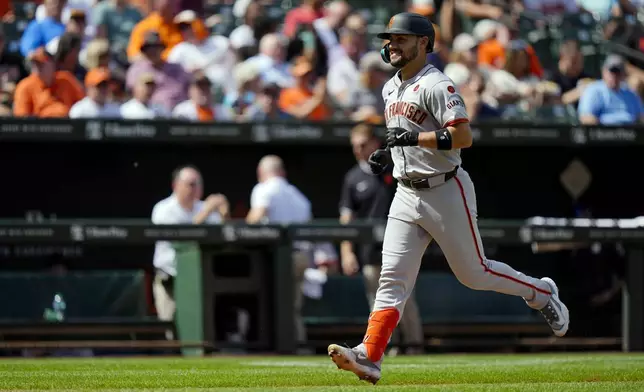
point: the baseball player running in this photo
(427, 125)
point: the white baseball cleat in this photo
(355, 361)
(555, 312)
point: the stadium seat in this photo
(556, 113)
(12, 36)
(515, 114)
(25, 11)
(538, 36)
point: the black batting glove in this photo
(378, 161)
(401, 137)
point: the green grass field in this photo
(551, 373)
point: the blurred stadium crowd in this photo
(252, 60)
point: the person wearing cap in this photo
(265, 105)
(39, 32)
(77, 22)
(213, 55)
(115, 20)
(141, 107)
(464, 51)
(610, 101)
(97, 54)
(172, 80)
(244, 35)
(46, 92)
(246, 78)
(95, 104)
(200, 107)
(75, 26)
(301, 101)
(162, 21)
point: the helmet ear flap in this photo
(430, 44)
(384, 53)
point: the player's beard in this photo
(405, 58)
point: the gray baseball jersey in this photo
(427, 102)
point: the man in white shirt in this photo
(184, 206)
(213, 55)
(140, 106)
(95, 104)
(271, 61)
(274, 200)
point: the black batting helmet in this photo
(409, 24)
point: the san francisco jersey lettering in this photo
(409, 110)
(425, 103)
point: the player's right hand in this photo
(378, 161)
(349, 263)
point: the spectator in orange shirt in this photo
(162, 22)
(301, 101)
(46, 92)
(492, 51)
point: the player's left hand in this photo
(401, 137)
(378, 161)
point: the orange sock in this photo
(381, 325)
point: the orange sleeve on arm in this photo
(79, 90)
(535, 66)
(286, 99)
(484, 55)
(136, 40)
(22, 100)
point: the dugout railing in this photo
(271, 283)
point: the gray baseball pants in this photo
(447, 214)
